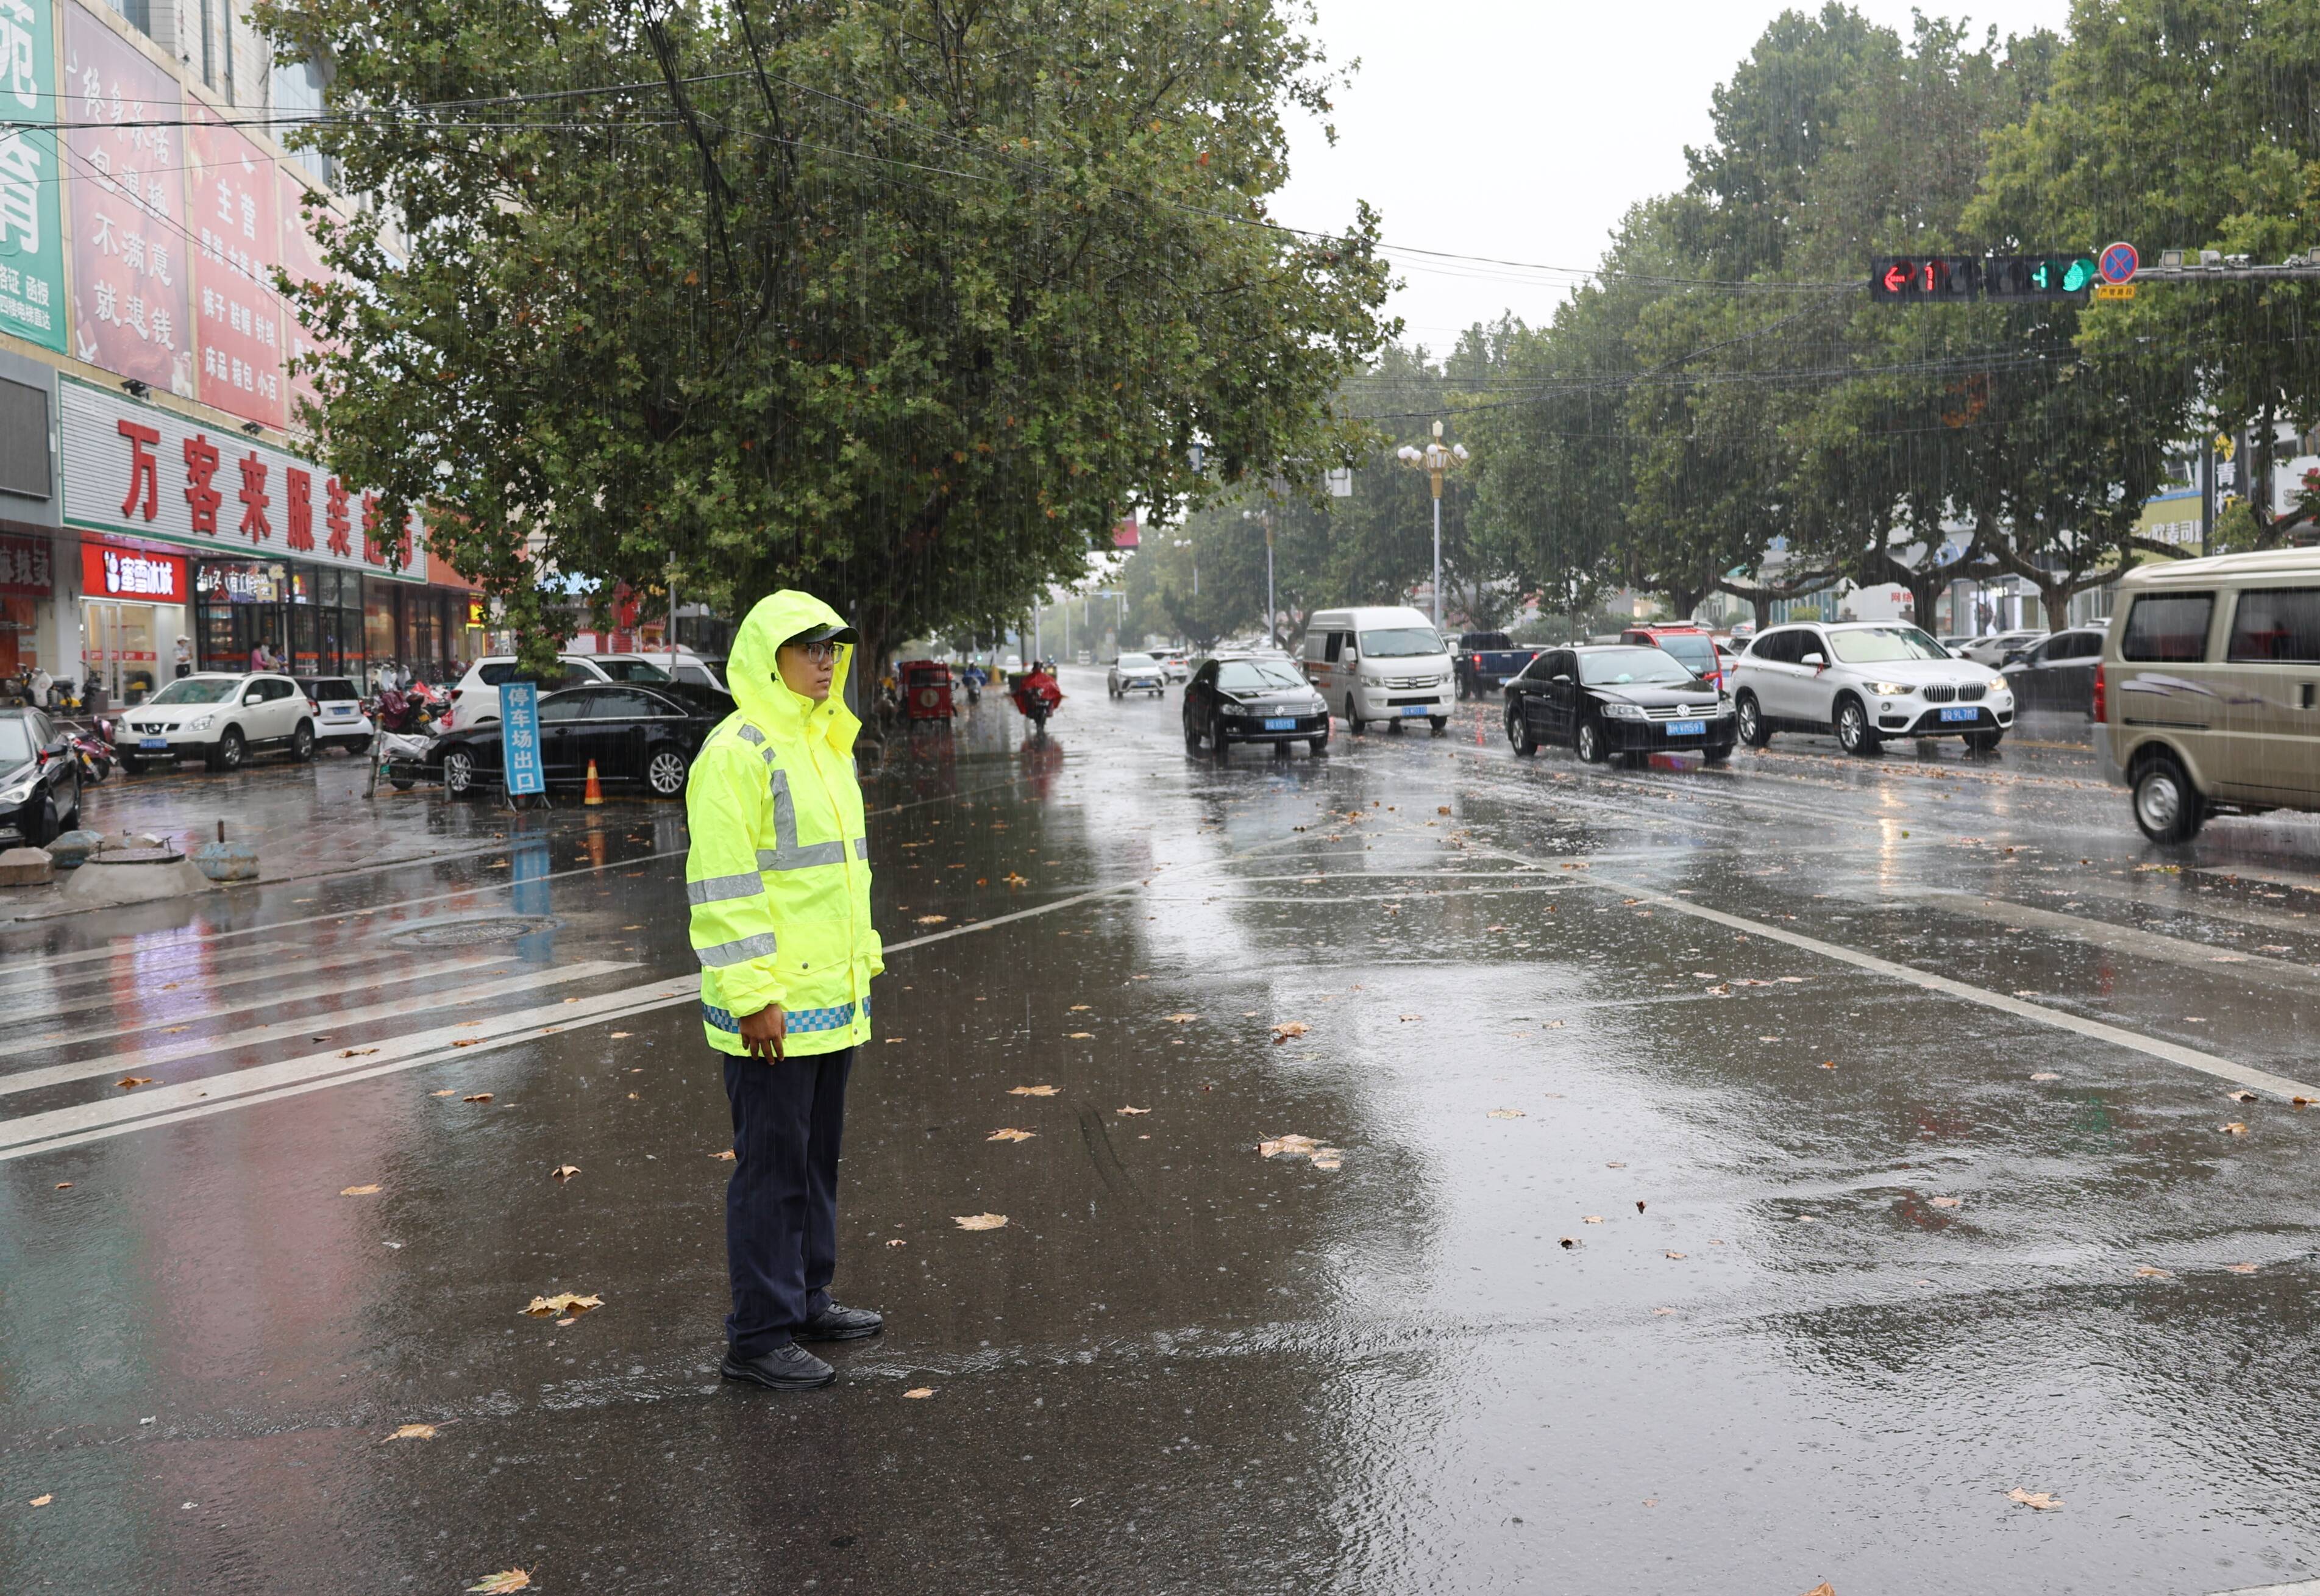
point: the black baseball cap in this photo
(840, 633)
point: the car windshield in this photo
(16, 743)
(1698, 653)
(633, 670)
(1637, 667)
(1255, 675)
(1137, 662)
(1876, 645)
(197, 689)
(1401, 642)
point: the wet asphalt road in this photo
(1746, 1179)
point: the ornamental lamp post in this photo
(1436, 462)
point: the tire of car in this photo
(302, 742)
(1353, 718)
(1753, 729)
(1113, 687)
(1192, 737)
(1592, 746)
(459, 773)
(1984, 742)
(1216, 737)
(356, 747)
(1441, 723)
(665, 771)
(1722, 756)
(1518, 732)
(226, 753)
(1319, 745)
(45, 829)
(2167, 806)
(1854, 734)
(129, 764)
(402, 784)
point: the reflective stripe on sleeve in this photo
(716, 889)
(748, 733)
(861, 847)
(741, 951)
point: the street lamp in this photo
(1272, 630)
(1436, 462)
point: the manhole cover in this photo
(471, 933)
(135, 855)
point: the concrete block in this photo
(98, 885)
(227, 861)
(26, 866)
(70, 849)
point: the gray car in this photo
(1136, 673)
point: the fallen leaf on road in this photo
(447, 1091)
(617, 1035)
(1293, 1144)
(1655, 1313)
(1506, 1114)
(470, 1042)
(1442, 809)
(562, 1303)
(1592, 1218)
(1406, 1019)
(564, 1172)
(1822, 1589)
(1793, 980)
(357, 1191)
(2300, 1102)
(131, 1082)
(933, 920)
(2243, 1097)
(1130, 1110)
(2146, 1271)
(2045, 1074)
(1328, 1159)
(1014, 880)
(414, 1432)
(1081, 1008)
(355, 1052)
(2241, 1269)
(1082, 1036)
(1639, 1205)
(898, 1241)
(498, 1584)
(2045, 1501)
(1674, 1255)
(979, 1221)
(1010, 1134)
(478, 1097)
(918, 1391)
(1288, 1028)
(1180, 1019)
(1945, 1202)
(43, 1499)
(64, 1185)
(1032, 1091)
(632, 927)
(1615, 1165)
(2235, 1129)
(727, 1155)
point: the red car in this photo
(1694, 645)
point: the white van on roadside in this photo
(1383, 662)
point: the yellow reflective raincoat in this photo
(779, 873)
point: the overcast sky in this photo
(1524, 129)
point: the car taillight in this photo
(313, 708)
(2099, 693)
(1478, 662)
(455, 694)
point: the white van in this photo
(1381, 663)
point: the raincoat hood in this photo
(753, 673)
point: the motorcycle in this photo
(93, 752)
(1037, 697)
(405, 722)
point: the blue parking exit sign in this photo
(520, 739)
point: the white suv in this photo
(1866, 681)
(219, 717)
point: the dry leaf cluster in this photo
(562, 1303)
(1010, 1133)
(1032, 1091)
(2043, 1502)
(979, 1221)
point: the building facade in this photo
(162, 506)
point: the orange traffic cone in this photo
(592, 797)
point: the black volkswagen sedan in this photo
(40, 780)
(639, 737)
(1617, 699)
(1247, 698)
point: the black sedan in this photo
(2057, 672)
(638, 735)
(1242, 699)
(40, 780)
(1617, 699)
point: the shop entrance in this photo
(121, 650)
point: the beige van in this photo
(2207, 700)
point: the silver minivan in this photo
(2207, 700)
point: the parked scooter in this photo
(95, 754)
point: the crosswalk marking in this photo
(31, 1001)
(398, 1009)
(160, 1015)
(23, 974)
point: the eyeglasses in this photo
(819, 653)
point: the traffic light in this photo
(1910, 279)
(2037, 276)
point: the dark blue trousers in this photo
(781, 1206)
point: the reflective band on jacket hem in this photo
(792, 1019)
(761, 946)
(716, 889)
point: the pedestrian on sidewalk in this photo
(184, 657)
(778, 878)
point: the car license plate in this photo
(1289, 724)
(1415, 708)
(158, 745)
(340, 711)
(1961, 715)
(1687, 729)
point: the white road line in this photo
(212, 978)
(2170, 1052)
(23, 973)
(337, 1022)
(394, 976)
(2302, 1588)
(2132, 941)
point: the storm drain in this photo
(475, 933)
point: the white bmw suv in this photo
(1866, 681)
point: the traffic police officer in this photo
(778, 879)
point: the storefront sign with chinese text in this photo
(24, 562)
(128, 265)
(232, 210)
(110, 571)
(31, 241)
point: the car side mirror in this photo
(2013, 657)
(1813, 660)
(1562, 676)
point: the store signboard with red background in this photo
(301, 258)
(130, 272)
(233, 212)
(111, 571)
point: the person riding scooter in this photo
(1037, 695)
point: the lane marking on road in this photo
(337, 1022)
(2268, 877)
(22, 973)
(274, 999)
(148, 979)
(2302, 1588)
(2169, 1052)
(2132, 941)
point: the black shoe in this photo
(787, 1367)
(834, 1323)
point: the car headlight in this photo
(2001, 689)
(1892, 689)
(1625, 712)
(200, 725)
(18, 795)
